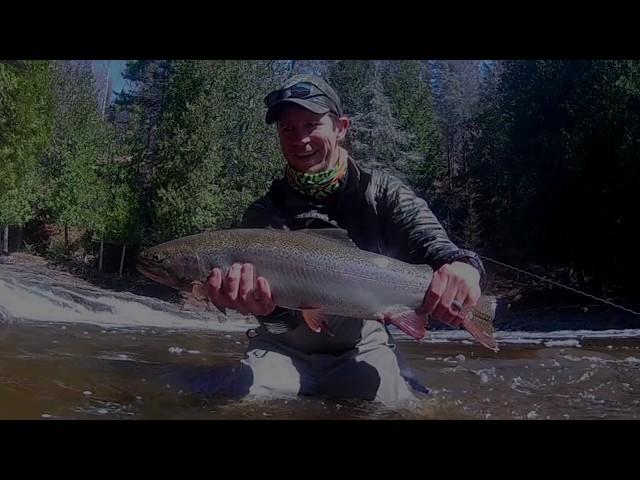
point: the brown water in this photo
(71, 351)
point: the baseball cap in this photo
(308, 91)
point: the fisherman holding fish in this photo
(324, 187)
(361, 245)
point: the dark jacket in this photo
(379, 212)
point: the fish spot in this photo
(381, 262)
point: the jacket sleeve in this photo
(263, 214)
(412, 231)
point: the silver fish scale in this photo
(308, 269)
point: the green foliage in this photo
(216, 154)
(76, 195)
(121, 204)
(390, 109)
(534, 157)
(25, 130)
(351, 79)
(407, 84)
(557, 163)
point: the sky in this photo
(115, 73)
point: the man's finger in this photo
(262, 296)
(434, 293)
(246, 282)
(262, 292)
(232, 282)
(449, 295)
(214, 283)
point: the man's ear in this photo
(343, 124)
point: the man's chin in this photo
(308, 166)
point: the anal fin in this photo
(409, 321)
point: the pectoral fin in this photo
(199, 290)
(316, 320)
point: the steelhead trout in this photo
(320, 272)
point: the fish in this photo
(319, 272)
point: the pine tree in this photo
(216, 154)
(76, 195)
(26, 110)
(407, 83)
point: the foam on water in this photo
(553, 338)
(60, 303)
(562, 343)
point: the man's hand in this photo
(240, 290)
(454, 290)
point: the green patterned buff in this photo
(318, 185)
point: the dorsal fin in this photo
(337, 234)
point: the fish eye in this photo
(157, 257)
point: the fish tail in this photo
(479, 322)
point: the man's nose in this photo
(304, 139)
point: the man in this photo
(324, 187)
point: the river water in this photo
(70, 350)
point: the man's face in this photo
(309, 141)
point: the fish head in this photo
(170, 265)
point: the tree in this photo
(350, 79)
(407, 84)
(216, 154)
(121, 207)
(456, 87)
(25, 130)
(75, 192)
(555, 164)
(375, 139)
(137, 116)
(314, 67)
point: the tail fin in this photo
(479, 322)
